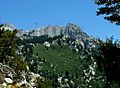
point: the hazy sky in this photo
(28, 14)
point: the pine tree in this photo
(8, 55)
(110, 9)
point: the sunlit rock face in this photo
(49, 30)
(70, 29)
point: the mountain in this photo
(70, 29)
(64, 55)
(49, 32)
(56, 57)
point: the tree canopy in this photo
(110, 9)
(8, 48)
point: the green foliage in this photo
(91, 76)
(91, 67)
(18, 65)
(38, 39)
(7, 45)
(63, 62)
(8, 50)
(43, 83)
(109, 8)
(114, 85)
(110, 61)
(58, 56)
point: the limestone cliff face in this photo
(51, 31)
(70, 29)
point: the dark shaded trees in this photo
(8, 48)
(110, 60)
(43, 83)
(110, 9)
(7, 45)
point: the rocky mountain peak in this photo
(74, 27)
(70, 29)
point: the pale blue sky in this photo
(28, 14)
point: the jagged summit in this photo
(72, 26)
(70, 29)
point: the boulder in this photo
(8, 80)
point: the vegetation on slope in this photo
(64, 64)
(73, 69)
(13, 67)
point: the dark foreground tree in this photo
(8, 55)
(110, 61)
(110, 9)
(7, 45)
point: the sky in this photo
(29, 14)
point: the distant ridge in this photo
(71, 30)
